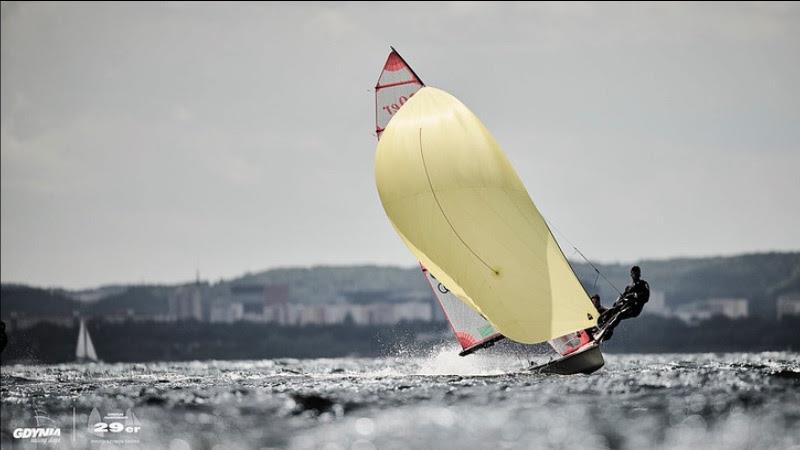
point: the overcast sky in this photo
(143, 142)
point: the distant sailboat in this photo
(84, 352)
(459, 206)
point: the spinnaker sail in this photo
(397, 83)
(457, 203)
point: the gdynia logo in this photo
(45, 431)
(35, 433)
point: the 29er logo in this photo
(113, 425)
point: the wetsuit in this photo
(631, 303)
(635, 296)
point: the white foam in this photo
(445, 361)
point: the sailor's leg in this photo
(614, 316)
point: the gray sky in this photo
(142, 142)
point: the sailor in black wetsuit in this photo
(630, 303)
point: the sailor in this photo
(596, 302)
(629, 304)
(636, 294)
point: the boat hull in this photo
(585, 360)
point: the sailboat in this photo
(84, 351)
(456, 202)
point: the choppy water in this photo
(701, 401)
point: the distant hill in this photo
(324, 284)
(34, 301)
(758, 277)
(142, 299)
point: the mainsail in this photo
(85, 348)
(457, 203)
(396, 84)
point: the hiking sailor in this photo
(629, 304)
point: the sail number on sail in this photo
(394, 107)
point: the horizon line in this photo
(245, 273)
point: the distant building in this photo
(275, 294)
(657, 305)
(263, 303)
(339, 313)
(223, 311)
(393, 313)
(251, 297)
(413, 311)
(732, 308)
(311, 315)
(359, 314)
(788, 305)
(276, 304)
(186, 303)
(270, 304)
(236, 311)
(22, 322)
(381, 314)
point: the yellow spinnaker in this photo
(461, 209)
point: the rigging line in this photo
(586, 259)
(597, 270)
(436, 198)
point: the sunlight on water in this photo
(423, 399)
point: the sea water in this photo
(435, 400)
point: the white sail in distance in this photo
(85, 351)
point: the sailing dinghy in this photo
(458, 205)
(84, 351)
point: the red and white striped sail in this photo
(396, 85)
(471, 329)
